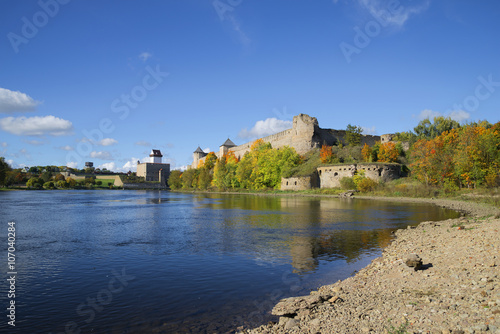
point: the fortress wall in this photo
(330, 175)
(299, 183)
(277, 140)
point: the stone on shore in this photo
(413, 260)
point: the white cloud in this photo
(131, 165)
(145, 56)
(72, 164)
(206, 150)
(36, 126)
(143, 143)
(265, 128)
(66, 148)
(104, 155)
(369, 131)
(108, 165)
(182, 168)
(11, 101)
(457, 115)
(430, 114)
(107, 142)
(386, 10)
(3, 144)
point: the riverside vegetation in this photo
(444, 159)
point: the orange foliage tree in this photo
(326, 154)
(388, 152)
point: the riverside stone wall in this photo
(299, 183)
(329, 176)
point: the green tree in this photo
(49, 185)
(220, 172)
(353, 135)
(34, 182)
(4, 168)
(46, 176)
(175, 180)
(204, 178)
(71, 182)
(430, 130)
(188, 178)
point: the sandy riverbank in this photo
(458, 290)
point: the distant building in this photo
(154, 170)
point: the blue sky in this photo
(107, 81)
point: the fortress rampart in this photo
(304, 136)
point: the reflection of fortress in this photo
(303, 136)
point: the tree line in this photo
(441, 153)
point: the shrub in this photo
(347, 183)
(99, 182)
(366, 184)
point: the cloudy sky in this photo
(107, 81)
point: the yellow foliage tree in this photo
(388, 152)
(366, 152)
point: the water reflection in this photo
(309, 229)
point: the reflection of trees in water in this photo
(307, 229)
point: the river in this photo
(163, 262)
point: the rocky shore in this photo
(455, 290)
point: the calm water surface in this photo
(160, 262)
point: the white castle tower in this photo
(156, 156)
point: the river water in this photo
(162, 262)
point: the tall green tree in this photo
(353, 135)
(174, 179)
(430, 130)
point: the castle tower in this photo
(224, 148)
(156, 156)
(197, 155)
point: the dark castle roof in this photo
(229, 143)
(198, 150)
(156, 153)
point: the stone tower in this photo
(224, 148)
(197, 155)
(303, 133)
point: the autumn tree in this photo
(326, 154)
(204, 178)
(220, 172)
(388, 152)
(366, 153)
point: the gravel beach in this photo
(456, 289)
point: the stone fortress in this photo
(154, 170)
(304, 136)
